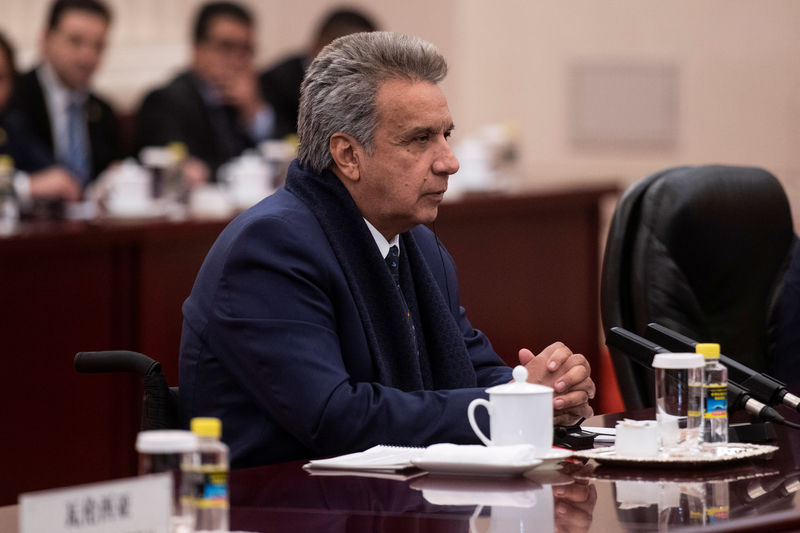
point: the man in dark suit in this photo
(326, 318)
(280, 85)
(36, 174)
(215, 108)
(77, 126)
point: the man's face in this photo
(227, 51)
(404, 180)
(75, 47)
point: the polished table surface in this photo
(749, 496)
(757, 495)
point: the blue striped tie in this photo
(393, 262)
(76, 157)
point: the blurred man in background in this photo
(280, 85)
(214, 108)
(35, 172)
(78, 127)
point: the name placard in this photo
(131, 505)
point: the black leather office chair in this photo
(160, 401)
(701, 250)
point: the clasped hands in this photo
(569, 376)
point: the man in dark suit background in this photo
(76, 125)
(35, 173)
(214, 108)
(280, 84)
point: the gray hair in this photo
(340, 89)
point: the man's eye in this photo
(422, 138)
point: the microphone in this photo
(739, 398)
(642, 351)
(638, 348)
(762, 387)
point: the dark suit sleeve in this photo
(276, 329)
(280, 87)
(29, 155)
(158, 124)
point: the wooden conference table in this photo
(571, 497)
(759, 495)
(528, 271)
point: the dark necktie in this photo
(393, 262)
(76, 157)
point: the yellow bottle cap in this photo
(709, 350)
(6, 163)
(177, 151)
(206, 427)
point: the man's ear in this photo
(345, 152)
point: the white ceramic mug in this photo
(519, 413)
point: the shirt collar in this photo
(56, 89)
(210, 95)
(381, 242)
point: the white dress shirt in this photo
(380, 240)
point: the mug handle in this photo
(471, 416)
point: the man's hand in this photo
(574, 506)
(54, 182)
(241, 91)
(195, 172)
(568, 374)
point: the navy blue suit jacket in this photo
(272, 344)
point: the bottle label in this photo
(717, 514)
(215, 490)
(716, 401)
(210, 487)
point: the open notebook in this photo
(442, 457)
(379, 458)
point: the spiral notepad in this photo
(379, 458)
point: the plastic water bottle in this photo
(715, 394)
(209, 472)
(9, 205)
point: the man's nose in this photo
(446, 161)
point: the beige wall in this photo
(737, 64)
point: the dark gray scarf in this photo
(443, 362)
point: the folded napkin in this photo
(477, 453)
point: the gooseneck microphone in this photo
(762, 387)
(739, 398)
(642, 351)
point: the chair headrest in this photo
(711, 244)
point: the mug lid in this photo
(519, 385)
(678, 360)
(166, 441)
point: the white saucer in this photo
(134, 212)
(475, 468)
(554, 457)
